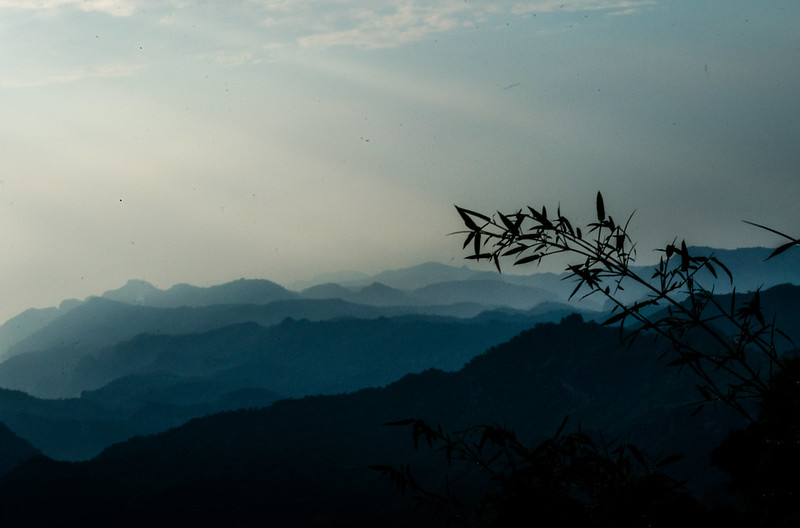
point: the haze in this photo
(200, 142)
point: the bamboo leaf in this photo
(775, 231)
(407, 421)
(616, 318)
(685, 261)
(638, 455)
(469, 239)
(467, 219)
(601, 208)
(723, 267)
(474, 213)
(685, 359)
(667, 460)
(510, 226)
(561, 427)
(710, 268)
(515, 250)
(783, 248)
(529, 258)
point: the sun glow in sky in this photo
(200, 142)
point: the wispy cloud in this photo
(553, 6)
(75, 75)
(391, 23)
(120, 8)
(247, 26)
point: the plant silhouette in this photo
(737, 354)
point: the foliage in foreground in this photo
(731, 348)
(566, 479)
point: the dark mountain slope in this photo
(304, 462)
(28, 322)
(422, 275)
(153, 382)
(158, 381)
(142, 293)
(490, 292)
(328, 290)
(13, 450)
(79, 428)
(242, 291)
(45, 360)
(298, 358)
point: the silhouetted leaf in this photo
(684, 359)
(601, 208)
(511, 226)
(779, 249)
(407, 421)
(561, 427)
(517, 249)
(616, 318)
(469, 238)
(685, 260)
(466, 216)
(529, 258)
(723, 267)
(671, 459)
(782, 248)
(637, 454)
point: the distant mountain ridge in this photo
(42, 363)
(78, 328)
(748, 266)
(152, 382)
(242, 291)
(195, 350)
(305, 462)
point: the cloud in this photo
(392, 23)
(119, 8)
(328, 23)
(68, 76)
(552, 6)
(392, 26)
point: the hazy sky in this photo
(203, 141)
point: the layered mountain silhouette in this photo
(206, 372)
(53, 352)
(410, 287)
(13, 450)
(152, 382)
(242, 291)
(305, 462)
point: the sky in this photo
(180, 141)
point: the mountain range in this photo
(305, 462)
(320, 369)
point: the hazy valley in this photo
(248, 397)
